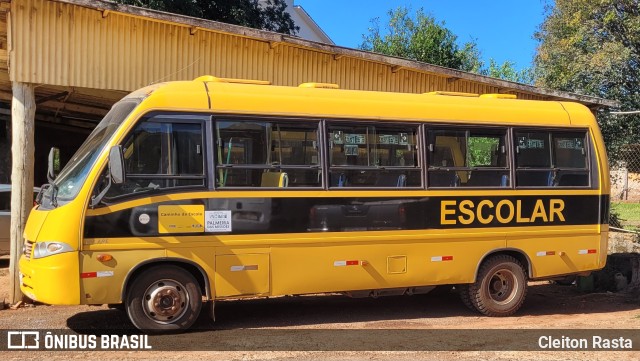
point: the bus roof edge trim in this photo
(453, 94)
(213, 79)
(499, 96)
(319, 85)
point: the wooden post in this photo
(23, 111)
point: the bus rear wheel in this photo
(500, 288)
(164, 299)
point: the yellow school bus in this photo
(193, 192)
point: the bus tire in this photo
(463, 291)
(164, 299)
(500, 288)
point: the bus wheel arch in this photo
(194, 269)
(522, 257)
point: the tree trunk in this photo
(23, 110)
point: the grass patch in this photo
(627, 211)
(628, 214)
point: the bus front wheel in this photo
(164, 299)
(500, 288)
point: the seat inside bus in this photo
(275, 180)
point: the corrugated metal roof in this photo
(102, 45)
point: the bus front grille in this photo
(28, 249)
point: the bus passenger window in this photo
(533, 159)
(570, 160)
(467, 158)
(373, 156)
(551, 159)
(267, 154)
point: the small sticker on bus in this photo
(144, 218)
(187, 218)
(217, 221)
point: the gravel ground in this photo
(548, 307)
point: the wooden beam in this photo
(396, 68)
(58, 106)
(51, 97)
(72, 124)
(23, 111)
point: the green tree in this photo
(592, 47)
(421, 37)
(507, 71)
(267, 15)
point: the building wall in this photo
(308, 29)
(67, 45)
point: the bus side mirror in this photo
(53, 164)
(116, 165)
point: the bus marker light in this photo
(441, 258)
(346, 263)
(104, 257)
(546, 253)
(587, 251)
(96, 274)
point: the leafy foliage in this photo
(481, 150)
(507, 71)
(267, 15)
(421, 37)
(592, 47)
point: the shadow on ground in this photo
(301, 311)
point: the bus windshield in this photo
(68, 183)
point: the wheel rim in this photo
(502, 286)
(165, 301)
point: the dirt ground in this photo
(548, 306)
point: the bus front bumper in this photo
(53, 280)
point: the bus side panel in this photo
(558, 253)
(604, 246)
(242, 274)
(353, 266)
(200, 253)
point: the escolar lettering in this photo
(505, 211)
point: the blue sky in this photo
(503, 29)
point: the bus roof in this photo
(256, 99)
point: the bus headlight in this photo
(45, 249)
